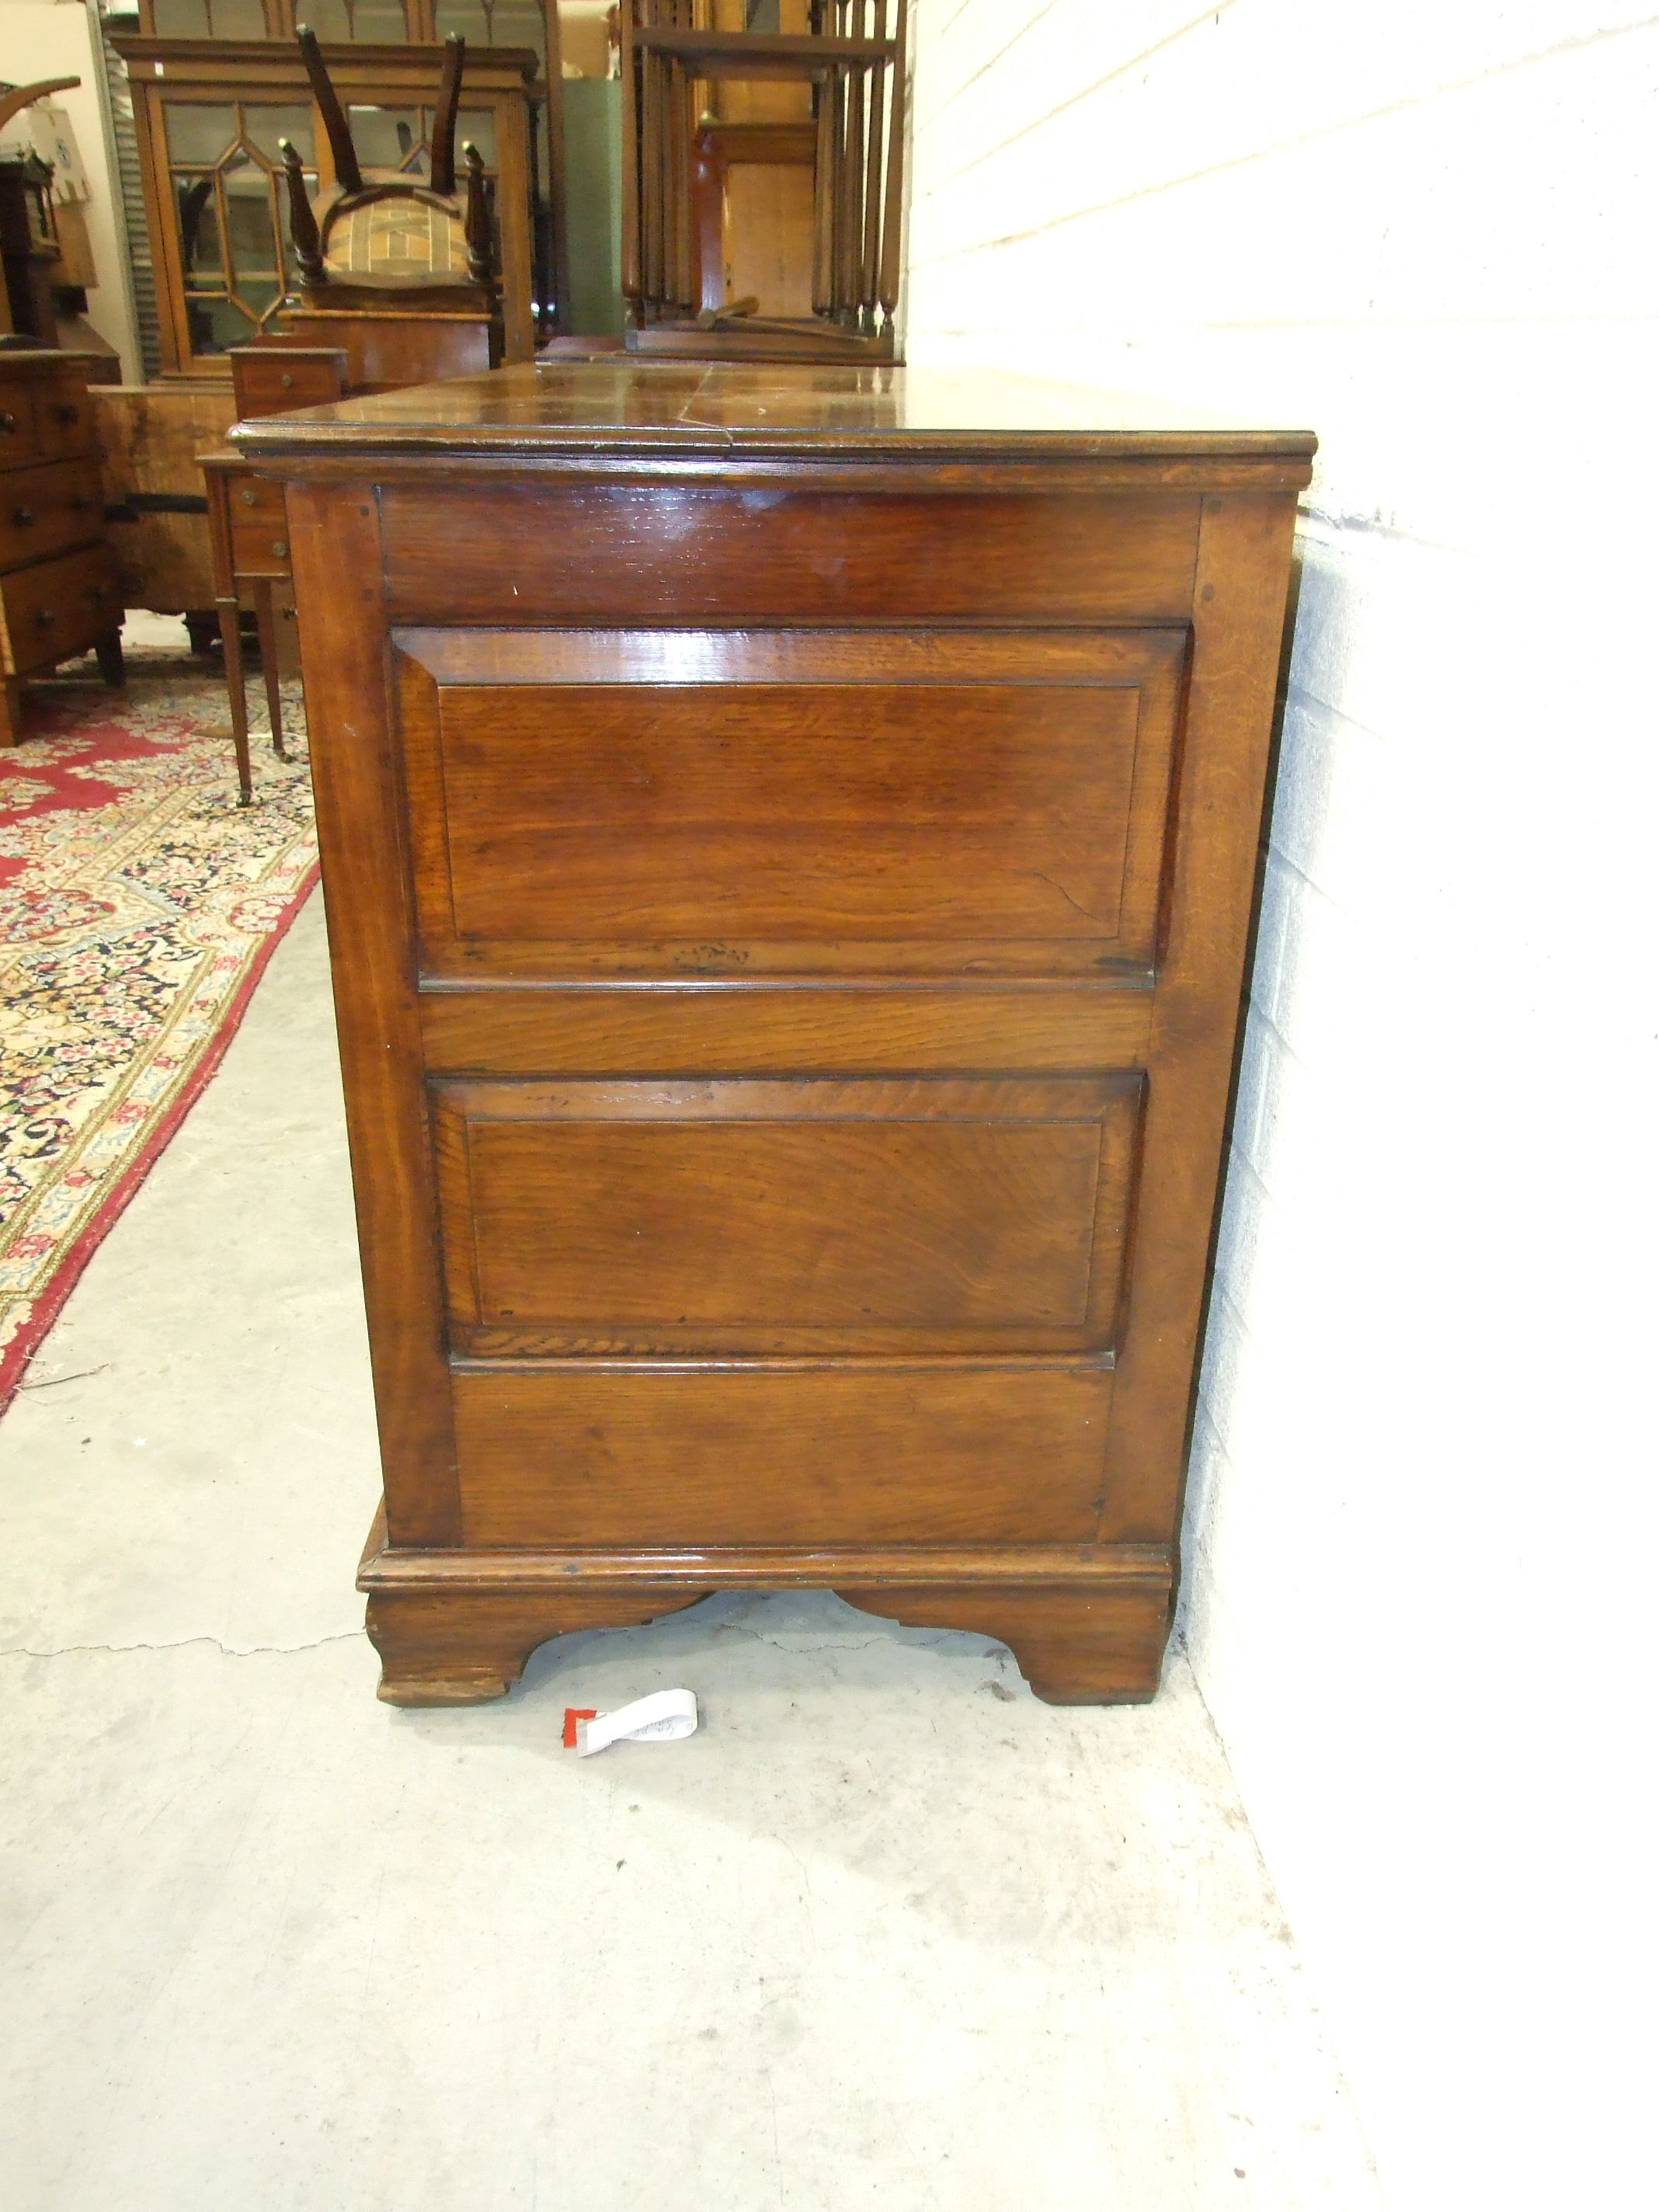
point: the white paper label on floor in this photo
(663, 1718)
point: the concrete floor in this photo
(885, 1932)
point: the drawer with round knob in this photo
(17, 441)
(49, 510)
(56, 608)
(64, 425)
(258, 526)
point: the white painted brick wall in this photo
(1420, 1509)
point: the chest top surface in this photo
(690, 410)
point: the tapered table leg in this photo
(265, 616)
(230, 617)
(230, 627)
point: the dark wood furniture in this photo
(380, 243)
(58, 594)
(155, 505)
(249, 525)
(278, 379)
(789, 837)
(531, 24)
(210, 115)
(833, 296)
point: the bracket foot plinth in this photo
(1087, 1623)
(464, 1647)
(1092, 1646)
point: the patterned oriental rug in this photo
(138, 906)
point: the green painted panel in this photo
(592, 178)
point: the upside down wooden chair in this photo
(400, 271)
(397, 285)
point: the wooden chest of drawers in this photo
(789, 838)
(59, 593)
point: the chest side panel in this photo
(825, 971)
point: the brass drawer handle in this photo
(250, 498)
(45, 617)
(287, 381)
(22, 516)
(8, 422)
(279, 547)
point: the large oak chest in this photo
(789, 838)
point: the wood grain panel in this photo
(819, 1215)
(817, 1227)
(793, 656)
(773, 812)
(931, 800)
(660, 1027)
(774, 1455)
(507, 553)
(148, 438)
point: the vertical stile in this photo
(689, 295)
(674, 182)
(838, 193)
(632, 152)
(891, 240)
(651, 167)
(822, 200)
(857, 81)
(872, 181)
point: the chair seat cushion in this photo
(396, 237)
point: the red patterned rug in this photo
(138, 906)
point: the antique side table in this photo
(789, 836)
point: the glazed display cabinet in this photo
(210, 117)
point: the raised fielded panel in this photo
(920, 802)
(820, 1215)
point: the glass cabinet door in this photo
(493, 24)
(353, 23)
(209, 19)
(229, 211)
(337, 22)
(360, 23)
